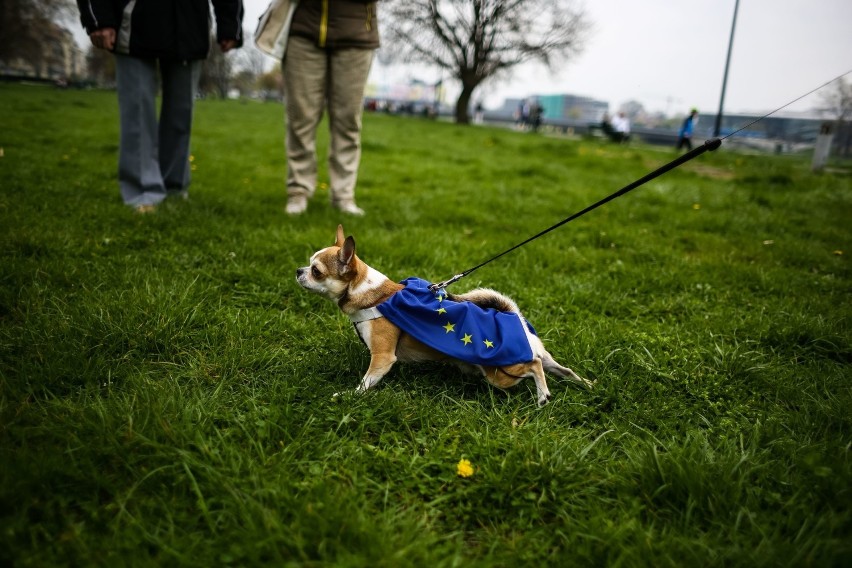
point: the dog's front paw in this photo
(543, 399)
(338, 396)
(347, 393)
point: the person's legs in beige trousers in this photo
(314, 77)
(349, 71)
(304, 69)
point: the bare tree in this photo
(272, 85)
(240, 69)
(632, 109)
(250, 59)
(249, 64)
(100, 65)
(836, 102)
(479, 39)
(216, 71)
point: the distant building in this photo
(573, 107)
(560, 108)
(58, 57)
(63, 57)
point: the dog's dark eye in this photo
(315, 272)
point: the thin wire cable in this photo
(812, 91)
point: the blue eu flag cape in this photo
(461, 330)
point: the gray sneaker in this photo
(350, 208)
(296, 205)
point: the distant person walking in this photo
(621, 127)
(478, 114)
(522, 115)
(328, 57)
(536, 112)
(684, 135)
(157, 42)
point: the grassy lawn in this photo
(166, 387)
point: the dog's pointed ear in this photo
(347, 254)
(339, 241)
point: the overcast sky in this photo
(670, 54)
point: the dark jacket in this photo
(172, 29)
(335, 24)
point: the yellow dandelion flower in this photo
(464, 468)
(191, 158)
(838, 253)
(696, 206)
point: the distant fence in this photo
(648, 135)
(668, 137)
(27, 79)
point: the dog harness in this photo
(366, 314)
(462, 330)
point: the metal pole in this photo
(718, 126)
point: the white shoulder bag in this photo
(273, 28)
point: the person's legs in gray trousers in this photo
(153, 156)
(139, 176)
(180, 82)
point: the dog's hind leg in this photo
(505, 377)
(501, 378)
(551, 366)
(542, 392)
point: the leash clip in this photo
(445, 283)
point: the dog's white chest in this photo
(364, 330)
(362, 320)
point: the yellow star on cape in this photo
(450, 327)
(441, 311)
(489, 344)
(466, 339)
(439, 297)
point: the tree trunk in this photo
(463, 103)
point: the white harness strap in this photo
(366, 314)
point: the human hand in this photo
(103, 38)
(227, 45)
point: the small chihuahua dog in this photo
(363, 294)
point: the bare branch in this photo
(476, 39)
(837, 100)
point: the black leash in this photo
(710, 145)
(694, 153)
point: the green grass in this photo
(166, 387)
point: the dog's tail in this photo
(488, 299)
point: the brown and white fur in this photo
(338, 274)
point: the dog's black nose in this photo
(299, 272)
